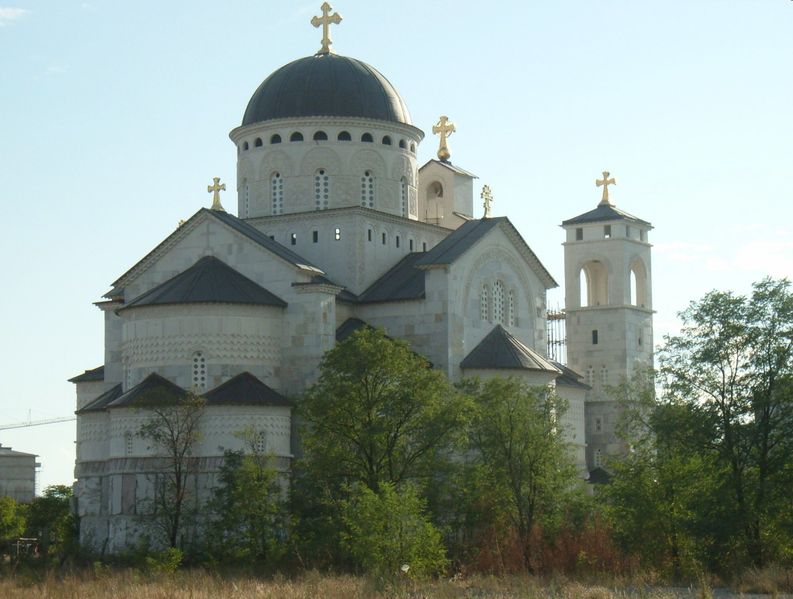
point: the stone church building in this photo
(339, 227)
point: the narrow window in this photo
(594, 337)
(258, 142)
(296, 136)
(272, 237)
(484, 305)
(293, 239)
(598, 459)
(424, 246)
(397, 240)
(275, 139)
(579, 234)
(245, 146)
(320, 136)
(260, 443)
(640, 340)
(386, 141)
(337, 234)
(344, 136)
(367, 190)
(321, 189)
(383, 238)
(246, 191)
(511, 308)
(315, 236)
(403, 196)
(403, 144)
(498, 302)
(277, 192)
(128, 443)
(641, 234)
(598, 425)
(367, 137)
(369, 234)
(604, 375)
(627, 231)
(590, 376)
(410, 243)
(607, 231)
(413, 148)
(199, 371)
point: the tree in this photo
(730, 373)
(50, 518)
(379, 413)
(248, 513)
(173, 429)
(12, 519)
(524, 460)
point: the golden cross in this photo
(487, 196)
(604, 183)
(215, 190)
(326, 20)
(444, 128)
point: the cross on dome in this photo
(215, 190)
(326, 20)
(604, 183)
(444, 128)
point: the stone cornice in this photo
(238, 133)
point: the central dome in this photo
(326, 85)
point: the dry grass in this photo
(131, 584)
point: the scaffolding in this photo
(556, 335)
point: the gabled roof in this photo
(245, 389)
(90, 376)
(603, 212)
(403, 282)
(468, 234)
(348, 327)
(240, 226)
(153, 390)
(569, 377)
(209, 281)
(501, 350)
(450, 166)
(101, 402)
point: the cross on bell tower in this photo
(604, 183)
(326, 20)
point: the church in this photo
(338, 227)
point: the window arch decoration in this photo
(258, 142)
(277, 192)
(403, 144)
(321, 189)
(511, 319)
(367, 138)
(320, 136)
(498, 302)
(246, 190)
(638, 284)
(593, 284)
(275, 138)
(245, 146)
(344, 136)
(403, 196)
(367, 189)
(199, 378)
(484, 303)
(386, 140)
(296, 136)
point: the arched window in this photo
(638, 284)
(498, 302)
(321, 189)
(511, 308)
(320, 136)
(199, 371)
(413, 148)
(403, 196)
(296, 136)
(275, 139)
(593, 284)
(435, 190)
(367, 190)
(344, 136)
(367, 137)
(386, 140)
(277, 192)
(245, 146)
(258, 142)
(403, 144)
(484, 304)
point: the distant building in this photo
(17, 474)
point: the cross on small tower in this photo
(326, 20)
(604, 183)
(215, 190)
(487, 196)
(444, 128)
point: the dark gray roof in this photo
(569, 377)
(101, 402)
(603, 212)
(501, 350)
(348, 327)
(599, 476)
(208, 281)
(90, 376)
(450, 166)
(153, 390)
(326, 85)
(403, 282)
(245, 389)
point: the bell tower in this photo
(609, 315)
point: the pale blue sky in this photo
(114, 117)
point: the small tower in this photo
(609, 316)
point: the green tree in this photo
(247, 509)
(173, 429)
(524, 462)
(729, 373)
(389, 531)
(12, 519)
(51, 520)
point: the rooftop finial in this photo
(604, 183)
(326, 20)
(215, 190)
(487, 196)
(444, 128)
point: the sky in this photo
(114, 117)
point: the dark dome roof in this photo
(326, 85)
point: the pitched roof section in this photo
(90, 376)
(208, 281)
(603, 212)
(569, 377)
(348, 327)
(101, 402)
(468, 234)
(154, 390)
(245, 390)
(501, 350)
(450, 166)
(403, 282)
(8, 452)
